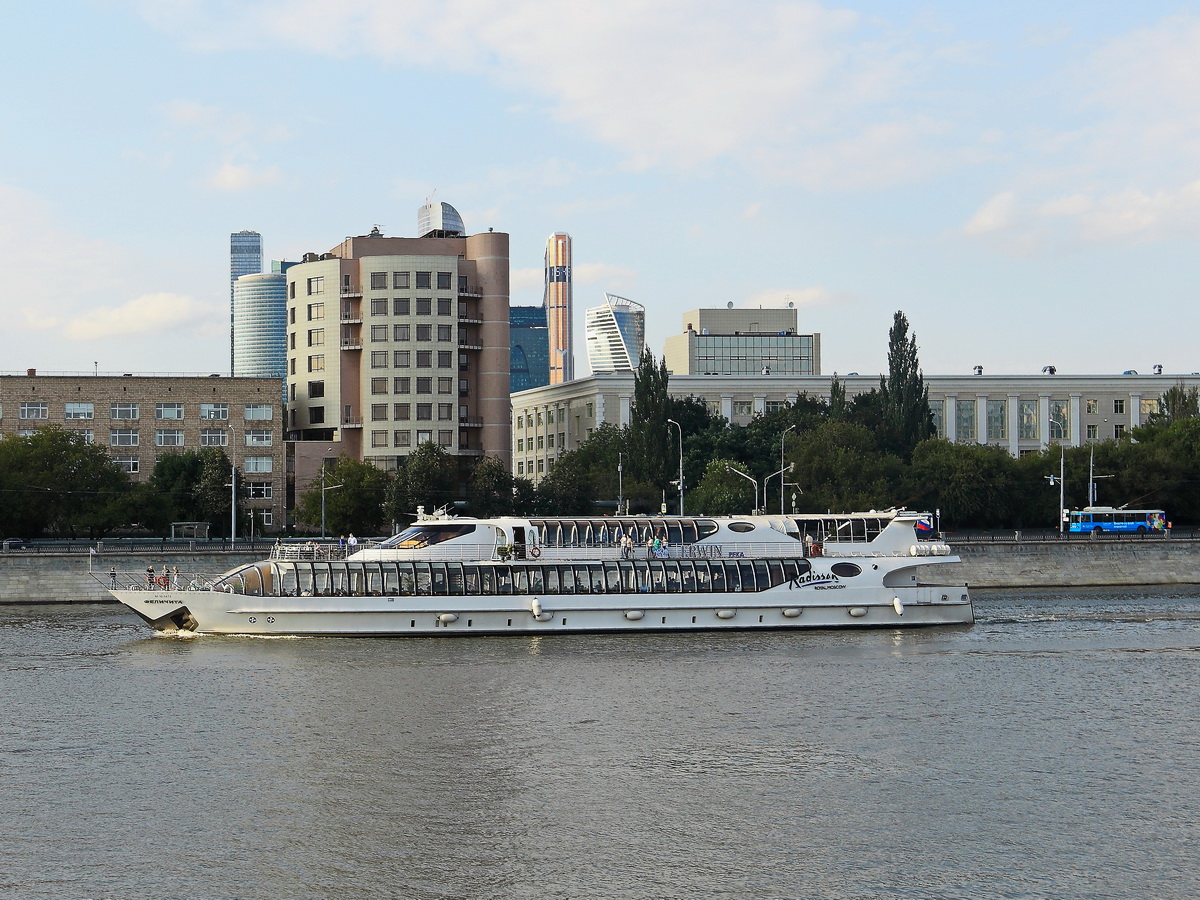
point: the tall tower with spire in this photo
(558, 307)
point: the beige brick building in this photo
(393, 342)
(140, 418)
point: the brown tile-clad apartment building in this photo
(140, 418)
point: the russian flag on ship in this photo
(924, 527)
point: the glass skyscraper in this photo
(615, 334)
(260, 325)
(245, 258)
(529, 347)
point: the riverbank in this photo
(77, 578)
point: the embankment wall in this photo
(65, 577)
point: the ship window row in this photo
(460, 579)
(608, 532)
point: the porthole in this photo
(741, 527)
(845, 570)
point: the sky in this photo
(1021, 179)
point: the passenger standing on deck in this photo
(150, 577)
(352, 543)
(342, 543)
(112, 577)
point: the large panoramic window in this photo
(34, 409)
(79, 411)
(1060, 420)
(997, 420)
(214, 410)
(964, 420)
(168, 410)
(123, 411)
(1027, 419)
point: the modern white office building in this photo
(245, 258)
(615, 333)
(737, 341)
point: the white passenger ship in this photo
(467, 576)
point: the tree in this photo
(212, 490)
(970, 483)
(648, 414)
(56, 481)
(355, 506)
(1177, 403)
(839, 467)
(491, 489)
(427, 479)
(722, 492)
(904, 399)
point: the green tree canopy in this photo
(904, 399)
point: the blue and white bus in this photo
(1106, 519)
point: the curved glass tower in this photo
(260, 325)
(615, 333)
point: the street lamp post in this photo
(324, 488)
(752, 480)
(1062, 509)
(782, 437)
(680, 427)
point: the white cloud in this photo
(520, 280)
(233, 176)
(610, 276)
(155, 314)
(778, 86)
(994, 215)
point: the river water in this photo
(1050, 751)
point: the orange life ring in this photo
(535, 552)
(162, 580)
(816, 550)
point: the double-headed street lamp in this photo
(782, 469)
(751, 479)
(680, 427)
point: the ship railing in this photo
(311, 551)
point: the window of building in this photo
(445, 385)
(401, 412)
(379, 385)
(379, 359)
(1119, 431)
(464, 362)
(121, 411)
(939, 417)
(379, 308)
(445, 306)
(541, 442)
(424, 412)
(291, 366)
(123, 437)
(128, 464)
(316, 337)
(997, 420)
(520, 445)
(316, 389)
(446, 438)
(445, 412)
(424, 306)
(259, 411)
(424, 332)
(379, 438)
(424, 280)
(964, 420)
(1060, 420)
(400, 307)
(379, 333)
(316, 286)
(402, 438)
(424, 359)
(379, 281)
(86, 411)
(402, 332)
(400, 280)
(743, 408)
(1149, 406)
(463, 387)
(462, 283)
(550, 441)
(379, 412)
(214, 411)
(260, 490)
(445, 359)
(316, 415)
(445, 281)
(213, 437)
(1093, 407)
(258, 465)
(424, 437)
(316, 362)
(316, 311)
(402, 385)
(540, 466)
(521, 467)
(445, 332)
(292, 296)
(402, 359)
(258, 437)
(1118, 407)
(424, 385)
(168, 437)
(1093, 432)
(1027, 420)
(562, 438)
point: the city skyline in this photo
(1020, 180)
